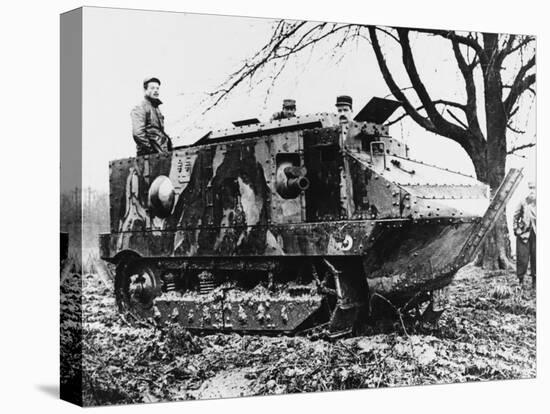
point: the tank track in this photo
(257, 296)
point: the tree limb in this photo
(281, 46)
(467, 71)
(418, 108)
(390, 34)
(395, 90)
(457, 119)
(508, 49)
(511, 128)
(296, 49)
(521, 147)
(464, 40)
(521, 84)
(248, 70)
(442, 126)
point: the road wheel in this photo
(136, 287)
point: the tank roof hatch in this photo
(245, 122)
(377, 110)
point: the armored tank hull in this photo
(288, 225)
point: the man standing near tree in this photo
(148, 121)
(525, 229)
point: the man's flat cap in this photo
(344, 100)
(150, 79)
(289, 103)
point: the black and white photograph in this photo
(274, 207)
(267, 206)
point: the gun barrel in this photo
(291, 180)
(300, 183)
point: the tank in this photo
(290, 225)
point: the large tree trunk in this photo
(495, 252)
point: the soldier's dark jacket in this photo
(148, 128)
(525, 219)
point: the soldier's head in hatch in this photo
(344, 106)
(151, 86)
(289, 108)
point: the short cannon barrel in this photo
(291, 180)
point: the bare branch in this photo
(390, 34)
(457, 119)
(509, 48)
(395, 90)
(285, 42)
(442, 126)
(319, 26)
(296, 48)
(396, 120)
(521, 84)
(521, 147)
(515, 130)
(402, 89)
(418, 108)
(467, 71)
(469, 41)
(248, 70)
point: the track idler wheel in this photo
(136, 287)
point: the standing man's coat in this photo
(525, 229)
(148, 128)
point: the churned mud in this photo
(488, 333)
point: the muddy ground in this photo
(487, 333)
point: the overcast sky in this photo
(192, 54)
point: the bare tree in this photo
(502, 65)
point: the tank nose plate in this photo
(237, 310)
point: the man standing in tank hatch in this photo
(525, 229)
(148, 121)
(289, 111)
(344, 107)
